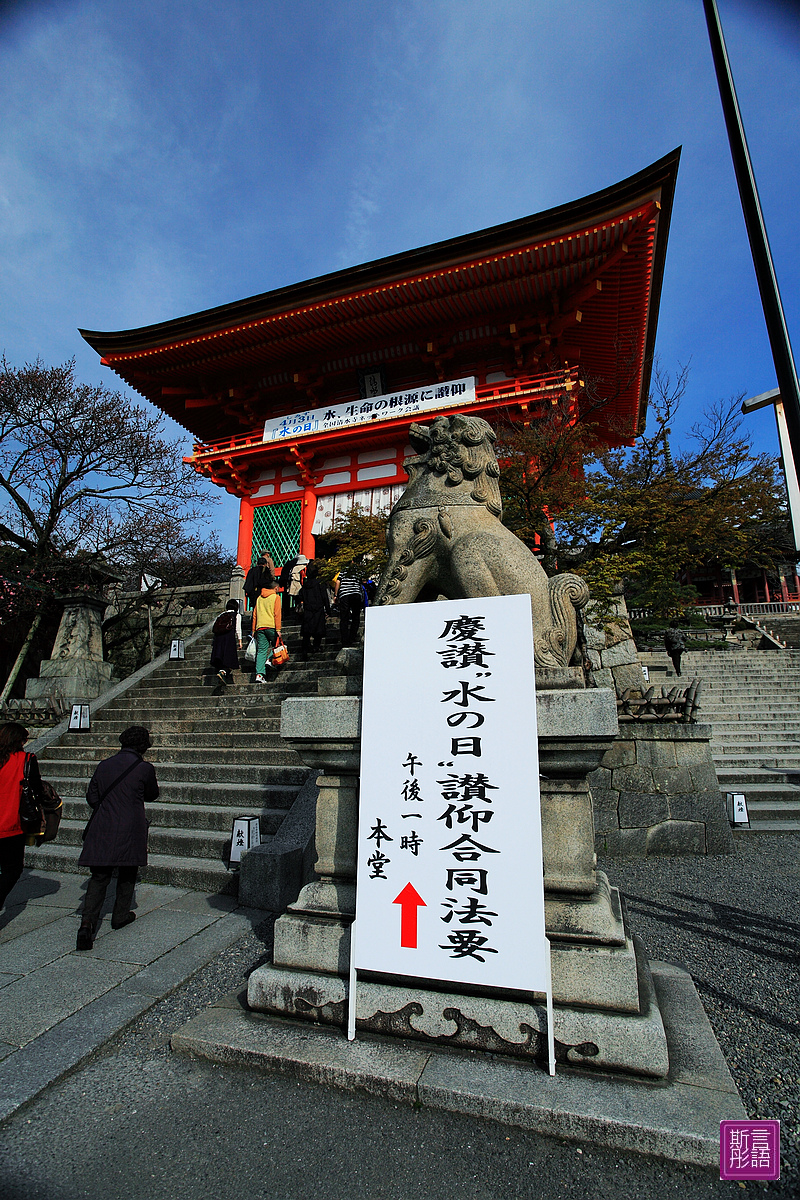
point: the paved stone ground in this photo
(139, 1121)
(58, 1006)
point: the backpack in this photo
(223, 623)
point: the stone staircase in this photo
(752, 700)
(217, 753)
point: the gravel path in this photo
(734, 922)
(141, 1121)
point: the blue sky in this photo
(165, 156)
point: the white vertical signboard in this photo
(450, 878)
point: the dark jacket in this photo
(674, 641)
(225, 647)
(117, 836)
(257, 577)
(316, 606)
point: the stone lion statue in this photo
(446, 537)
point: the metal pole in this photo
(787, 458)
(757, 233)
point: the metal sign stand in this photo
(551, 1040)
(351, 1007)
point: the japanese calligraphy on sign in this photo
(450, 881)
(455, 393)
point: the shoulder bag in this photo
(110, 788)
(52, 808)
(31, 813)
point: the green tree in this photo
(358, 536)
(642, 515)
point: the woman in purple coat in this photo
(116, 836)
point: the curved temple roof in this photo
(576, 286)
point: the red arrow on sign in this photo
(409, 901)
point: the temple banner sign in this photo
(450, 880)
(455, 393)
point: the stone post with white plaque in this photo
(606, 1013)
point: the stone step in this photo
(774, 810)
(721, 696)
(738, 735)
(759, 714)
(211, 733)
(756, 660)
(754, 770)
(753, 748)
(191, 677)
(143, 712)
(732, 724)
(181, 843)
(773, 827)
(188, 816)
(271, 751)
(758, 753)
(765, 791)
(201, 726)
(199, 874)
(217, 753)
(769, 762)
(226, 795)
(185, 772)
(273, 689)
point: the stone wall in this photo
(610, 649)
(176, 613)
(656, 792)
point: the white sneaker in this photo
(260, 679)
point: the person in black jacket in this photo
(116, 835)
(315, 606)
(260, 575)
(675, 644)
(227, 642)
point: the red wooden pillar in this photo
(735, 586)
(308, 512)
(244, 547)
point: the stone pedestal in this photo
(76, 671)
(606, 1012)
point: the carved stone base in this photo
(603, 1039)
(314, 932)
(593, 918)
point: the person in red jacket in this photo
(13, 737)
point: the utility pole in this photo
(757, 233)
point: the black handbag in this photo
(52, 807)
(31, 813)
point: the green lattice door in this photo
(276, 527)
